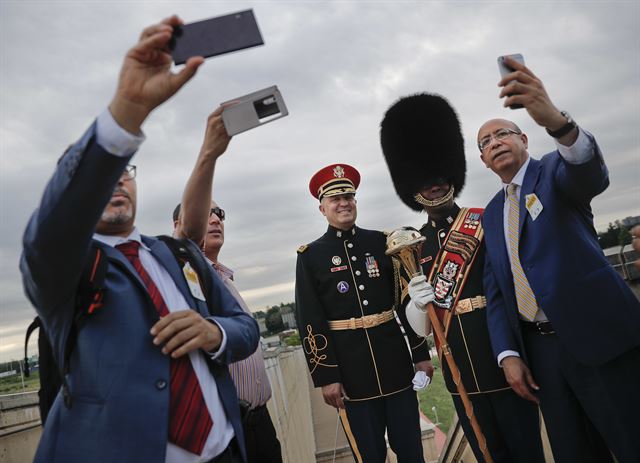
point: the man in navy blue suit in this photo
(148, 378)
(563, 324)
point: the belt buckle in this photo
(541, 327)
(369, 321)
(464, 306)
(352, 323)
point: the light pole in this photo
(21, 373)
(435, 412)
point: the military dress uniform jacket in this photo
(468, 335)
(343, 275)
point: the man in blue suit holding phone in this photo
(563, 324)
(147, 379)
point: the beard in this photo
(117, 217)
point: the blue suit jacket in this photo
(595, 314)
(118, 378)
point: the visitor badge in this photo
(534, 206)
(192, 280)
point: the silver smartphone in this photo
(504, 70)
(253, 110)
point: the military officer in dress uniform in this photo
(424, 149)
(345, 300)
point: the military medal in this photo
(372, 267)
(343, 287)
(472, 220)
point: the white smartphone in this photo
(504, 70)
(253, 110)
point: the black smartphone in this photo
(215, 36)
(504, 70)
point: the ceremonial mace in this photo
(404, 245)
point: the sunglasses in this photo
(217, 211)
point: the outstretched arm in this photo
(145, 78)
(525, 88)
(196, 199)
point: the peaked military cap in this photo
(422, 141)
(336, 179)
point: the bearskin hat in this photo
(422, 141)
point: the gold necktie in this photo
(527, 305)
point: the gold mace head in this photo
(405, 245)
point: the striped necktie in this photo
(189, 418)
(527, 305)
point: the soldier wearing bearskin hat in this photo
(345, 301)
(424, 149)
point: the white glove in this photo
(421, 292)
(420, 380)
(418, 319)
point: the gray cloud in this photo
(339, 66)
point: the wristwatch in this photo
(565, 129)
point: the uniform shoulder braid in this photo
(303, 248)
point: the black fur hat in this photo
(421, 141)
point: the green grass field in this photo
(436, 395)
(13, 384)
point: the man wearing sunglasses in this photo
(147, 377)
(203, 222)
(563, 324)
(424, 149)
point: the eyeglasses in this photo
(129, 172)
(500, 135)
(219, 212)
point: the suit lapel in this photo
(496, 222)
(117, 257)
(528, 185)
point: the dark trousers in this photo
(260, 437)
(587, 410)
(510, 424)
(367, 421)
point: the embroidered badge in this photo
(343, 287)
(338, 269)
(338, 172)
(335, 260)
(444, 284)
(372, 267)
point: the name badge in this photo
(534, 206)
(192, 280)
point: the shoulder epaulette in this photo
(303, 248)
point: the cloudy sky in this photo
(339, 65)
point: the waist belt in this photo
(368, 321)
(470, 304)
(538, 327)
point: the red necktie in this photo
(189, 418)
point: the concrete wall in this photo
(19, 427)
(308, 428)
